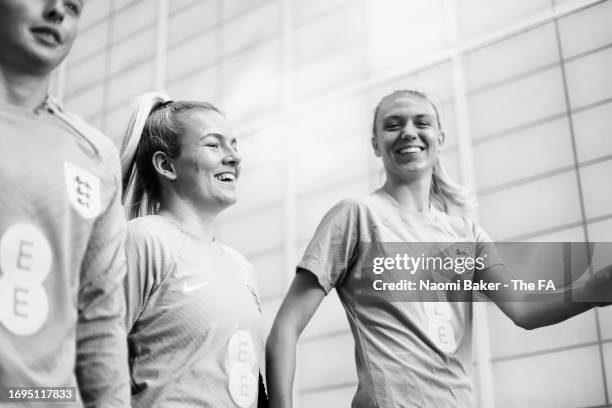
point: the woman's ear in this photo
(441, 140)
(375, 146)
(163, 166)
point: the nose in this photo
(410, 131)
(55, 11)
(232, 157)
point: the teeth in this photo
(411, 149)
(226, 177)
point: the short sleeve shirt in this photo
(409, 353)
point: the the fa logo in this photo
(463, 250)
(83, 191)
(255, 296)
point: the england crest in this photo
(83, 191)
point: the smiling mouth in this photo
(229, 178)
(48, 35)
(410, 149)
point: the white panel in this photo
(608, 365)
(508, 339)
(586, 30)
(400, 31)
(250, 28)
(86, 103)
(201, 86)
(191, 55)
(329, 32)
(132, 18)
(307, 10)
(538, 149)
(524, 52)
(329, 318)
(254, 233)
(347, 116)
(513, 104)
(259, 187)
(270, 274)
(133, 50)
(121, 5)
(339, 159)
(93, 11)
(605, 320)
(531, 207)
(233, 8)
(478, 16)
(592, 130)
(177, 5)
(588, 78)
(326, 362)
(601, 231)
(116, 122)
(575, 234)
(272, 138)
(130, 84)
(250, 82)
(190, 21)
(89, 42)
(565, 379)
(334, 398)
(86, 73)
(329, 73)
(597, 189)
(435, 82)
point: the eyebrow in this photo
(217, 136)
(417, 116)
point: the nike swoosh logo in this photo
(190, 288)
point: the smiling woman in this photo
(193, 314)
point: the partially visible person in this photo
(62, 227)
(412, 349)
(193, 309)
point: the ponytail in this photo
(136, 200)
(445, 192)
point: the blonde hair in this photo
(444, 191)
(154, 126)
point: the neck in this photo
(20, 89)
(413, 194)
(193, 220)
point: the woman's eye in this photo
(392, 126)
(73, 7)
(213, 145)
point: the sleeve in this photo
(102, 365)
(486, 252)
(148, 263)
(330, 253)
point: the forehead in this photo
(200, 122)
(405, 105)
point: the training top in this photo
(62, 260)
(411, 350)
(193, 317)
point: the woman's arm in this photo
(300, 303)
(534, 309)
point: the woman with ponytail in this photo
(412, 346)
(193, 310)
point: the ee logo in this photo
(243, 382)
(25, 262)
